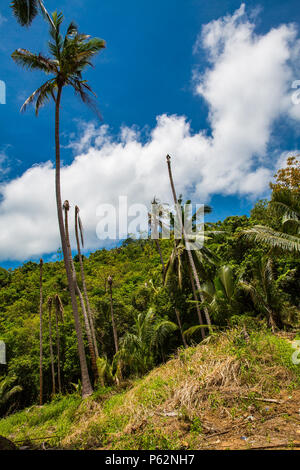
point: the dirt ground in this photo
(269, 426)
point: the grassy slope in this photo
(175, 406)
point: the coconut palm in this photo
(66, 207)
(26, 10)
(50, 303)
(179, 260)
(41, 331)
(264, 292)
(79, 228)
(187, 244)
(116, 340)
(59, 317)
(69, 57)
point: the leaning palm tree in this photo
(185, 238)
(79, 228)
(66, 207)
(69, 57)
(59, 317)
(26, 10)
(50, 303)
(41, 331)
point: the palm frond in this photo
(25, 11)
(271, 238)
(32, 61)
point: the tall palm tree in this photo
(59, 317)
(116, 340)
(189, 254)
(66, 207)
(26, 10)
(79, 228)
(50, 302)
(41, 331)
(70, 56)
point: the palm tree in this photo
(153, 221)
(189, 254)
(70, 56)
(6, 391)
(179, 262)
(116, 340)
(79, 227)
(59, 316)
(264, 292)
(286, 204)
(41, 331)
(138, 347)
(26, 10)
(221, 293)
(66, 207)
(50, 302)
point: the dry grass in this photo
(199, 391)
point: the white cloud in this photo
(247, 86)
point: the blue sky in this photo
(150, 68)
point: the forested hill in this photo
(146, 308)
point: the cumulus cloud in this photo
(247, 87)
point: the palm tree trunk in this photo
(191, 261)
(85, 379)
(45, 12)
(180, 328)
(197, 302)
(89, 310)
(41, 332)
(51, 347)
(78, 291)
(113, 316)
(160, 255)
(58, 346)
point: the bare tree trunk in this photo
(57, 314)
(197, 302)
(50, 346)
(160, 254)
(112, 315)
(191, 260)
(89, 310)
(85, 379)
(180, 328)
(41, 331)
(84, 312)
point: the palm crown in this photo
(69, 57)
